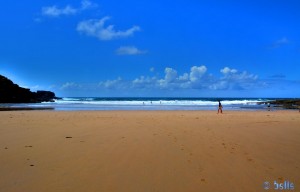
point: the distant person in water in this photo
(269, 107)
(220, 108)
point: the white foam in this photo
(92, 101)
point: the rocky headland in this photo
(13, 93)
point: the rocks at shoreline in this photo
(13, 93)
(285, 103)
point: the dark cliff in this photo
(13, 93)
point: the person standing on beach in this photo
(269, 107)
(220, 108)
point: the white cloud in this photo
(196, 79)
(129, 50)
(86, 4)
(113, 84)
(54, 11)
(144, 82)
(227, 70)
(233, 79)
(172, 80)
(235, 75)
(97, 29)
(170, 75)
(197, 73)
(184, 77)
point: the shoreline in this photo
(148, 104)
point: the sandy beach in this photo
(141, 151)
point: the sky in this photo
(195, 48)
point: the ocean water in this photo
(96, 103)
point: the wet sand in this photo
(138, 151)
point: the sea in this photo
(149, 103)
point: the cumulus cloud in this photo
(233, 74)
(172, 80)
(129, 50)
(170, 75)
(197, 72)
(54, 11)
(184, 77)
(96, 28)
(197, 79)
(233, 79)
(227, 70)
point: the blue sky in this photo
(174, 48)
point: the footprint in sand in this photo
(224, 145)
(203, 180)
(280, 178)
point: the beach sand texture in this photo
(141, 151)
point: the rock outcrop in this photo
(13, 93)
(284, 103)
(287, 103)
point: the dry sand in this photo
(141, 151)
